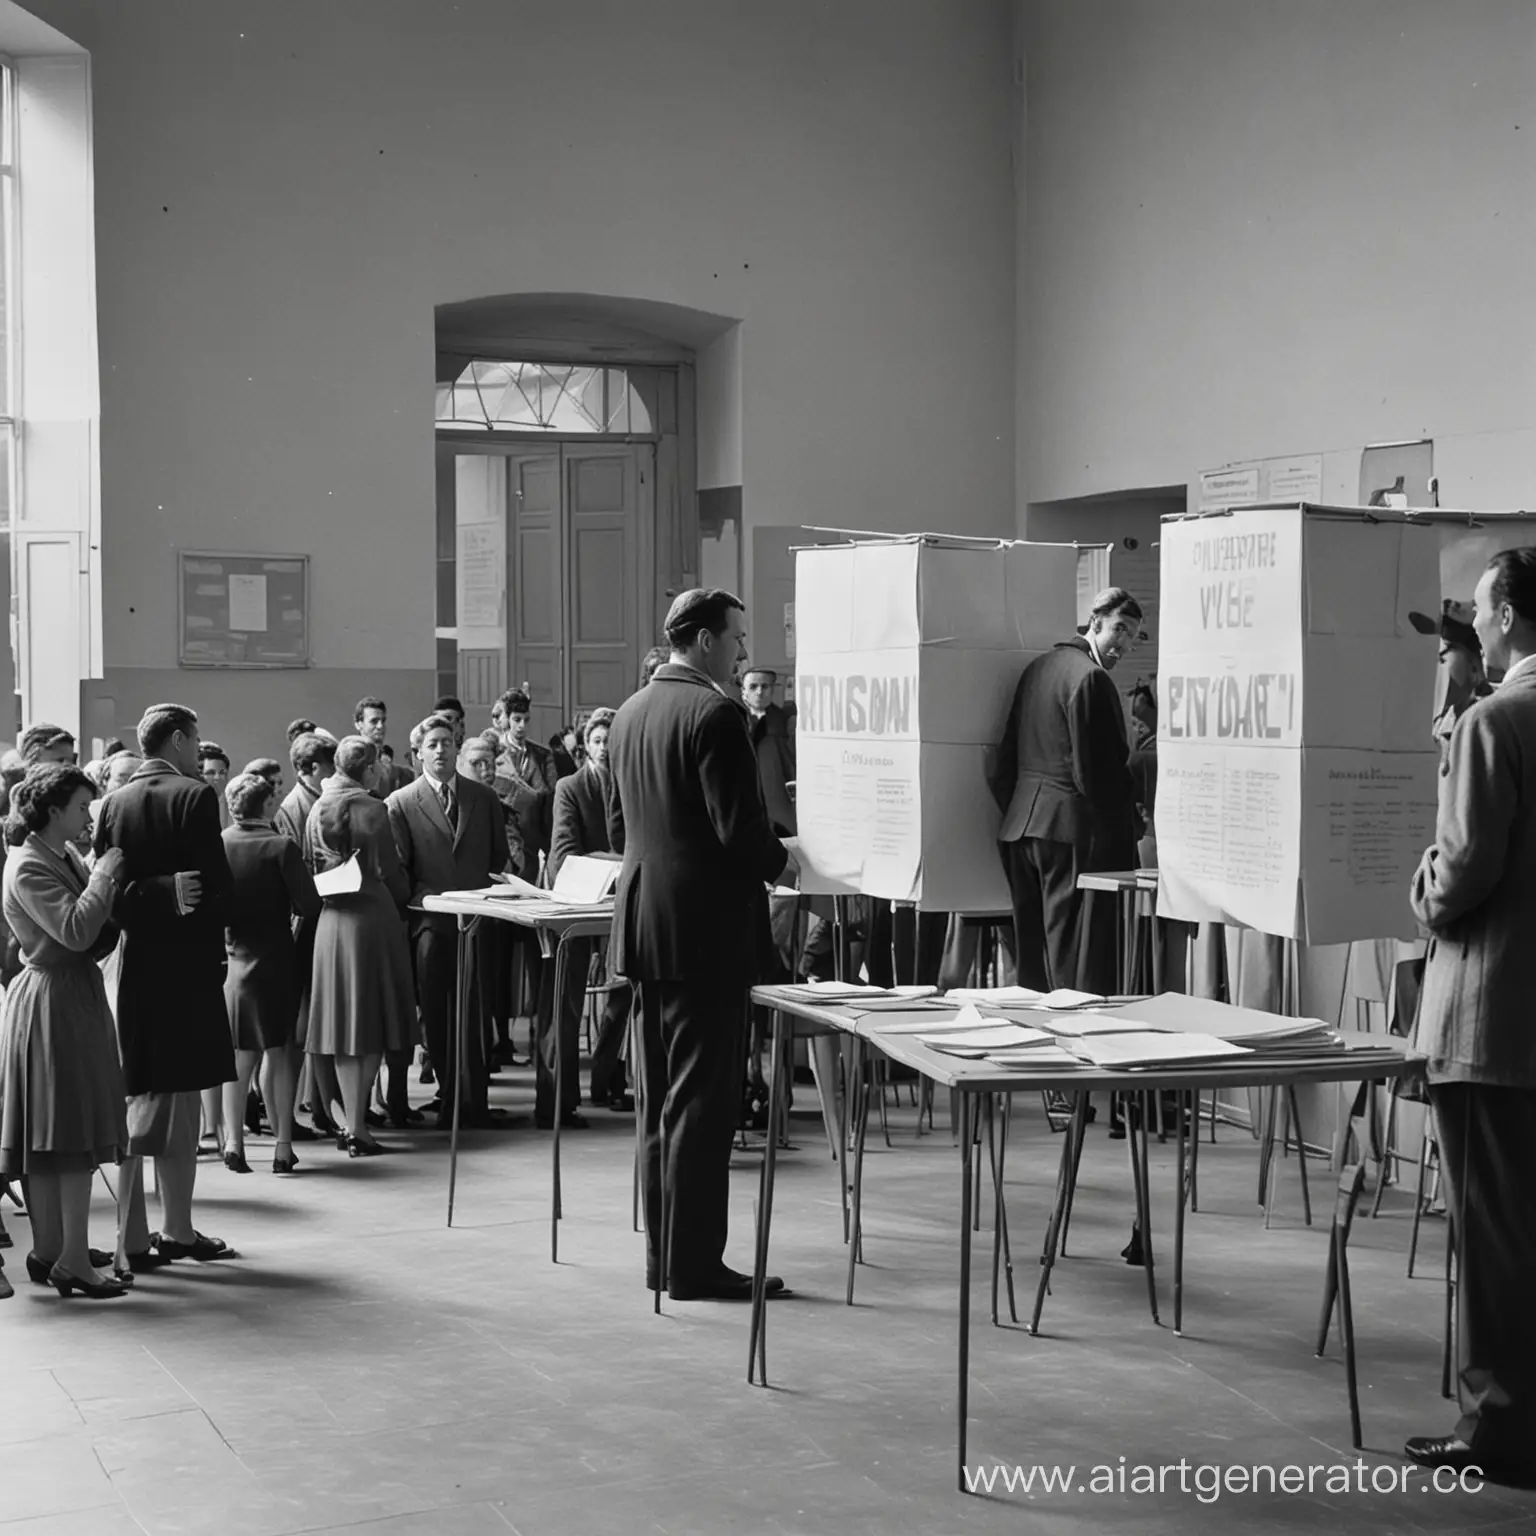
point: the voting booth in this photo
(1296, 772)
(907, 655)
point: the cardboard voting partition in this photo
(907, 655)
(1296, 770)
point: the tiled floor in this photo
(363, 1368)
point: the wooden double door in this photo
(577, 525)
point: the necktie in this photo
(450, 806)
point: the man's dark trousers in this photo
(692, 1039)
(436, 959)
(1488, 1160)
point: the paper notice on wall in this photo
(789, 631)
(248, 604)
(1228, 488)
(1296, 479)
(482, 574)
(1226, 835)
(1367, 818)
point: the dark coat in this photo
(773, 739)
(1475, 890)
(270, 886)
(172, 1024)
(581, 817)
(686, 811)
(293, 814)
(529, 794)
(435, 857)
(1061, 769)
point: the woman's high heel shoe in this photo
(358, 1147)
(236, 1163)
(284, 1162)
(67, 1284)
(37, 1271)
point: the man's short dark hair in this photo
(364, 705)
(160, 723)
(212, 751)
(1514, 581)
(697, 611)
(309, 751)
(112, 748)
(1113, 601)
(515, 702)
(767, 672)
(267, 767)
(298, 728)
(448, 702)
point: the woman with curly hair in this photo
(62, 1101)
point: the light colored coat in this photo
(1475, 890)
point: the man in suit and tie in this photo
(1475, 891)
(449, 831)
(689, 929)
(581, 828)
(172, 1022)
(1062, 781)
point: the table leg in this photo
(449, 1070)
(1077, 1133)
(967, 1138)
(635, 1077)
(559, 1028)
(843, 1116)
(757, 1345)
(1058, 1209)
(1136, 1137)
(1002, 1205)
(856, 1232)
(1178, 1220)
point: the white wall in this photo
(284, 191)
(1260, 228)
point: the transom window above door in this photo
(548, 397)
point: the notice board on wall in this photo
(908, 652)
(1297, 773)
(242, 610)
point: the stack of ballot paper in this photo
(1153, 1049)
(1024, 997)
(987, 1038)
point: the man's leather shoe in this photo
(1440, 1451)
(621, 1103)
(728, 1285)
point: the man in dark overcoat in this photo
(690, 930)
(172, 1021)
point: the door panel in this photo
(603, 502)
(537, 582)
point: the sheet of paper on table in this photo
(1147, 1050)
(508, 887)
(1176, 1011)
(832, 991)
(990, 1037)
(1024, 997)
(1053, 1058)
(1079, 1024)
(341, 881)
(584, 879)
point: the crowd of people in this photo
(299, 1013)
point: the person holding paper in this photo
(174, 904)
(690, 929)
(581, 827)
(1062, 781)
(360, 989)
(452, 837)
(1475, 891)
(270, 887)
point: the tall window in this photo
(7, 293)
(9, 703)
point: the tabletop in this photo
(560, 918)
